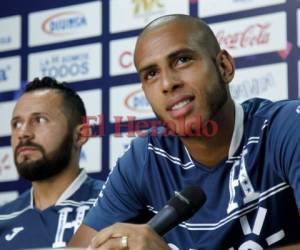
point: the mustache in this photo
(29, 144)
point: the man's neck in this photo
(47, 192)
(209, 151)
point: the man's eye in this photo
(183, 59)
(41, 119)
(16, 124)
(149, 75)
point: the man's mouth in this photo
(181, 104)
(181, 107)
(26, 149)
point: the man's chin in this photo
(27, 162)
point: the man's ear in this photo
(225, 64)
(82, 134)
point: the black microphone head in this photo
(187, 201)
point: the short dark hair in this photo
(73, 106)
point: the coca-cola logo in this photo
(253, 35)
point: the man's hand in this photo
(128, 236)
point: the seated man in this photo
(249, 170)
(47, 136)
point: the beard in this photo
(49, 165)
(215, 101)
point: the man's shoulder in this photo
(153, 144)
(18, 205)
(263, 108)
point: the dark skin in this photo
(183, 73)
(190, 63)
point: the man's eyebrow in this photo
(17, 117)
(33, 114)
(39, 113)
(146, 68)
(170, 57)
(179, 52)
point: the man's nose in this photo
(25, 132)
(170, 81)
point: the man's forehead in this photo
(176, 30)
(171, 21)
(163, 41)
(38, 100)
(165, 25)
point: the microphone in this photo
(179, 208)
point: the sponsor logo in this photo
(130, 100)
(61, 67)
(64, 23)
(125, 59)
(146, 6)
(8, 170)
(13, 234)
(72, 64)
(4, 73)
(5, 40)
(121, 56)
(255, 86)
(10, 73)
(265, 81)
(138, 13)
(4, 164)
(10, 38)
(253, 35)
(136, 101)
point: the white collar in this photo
(71, 189)
(238, 129)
